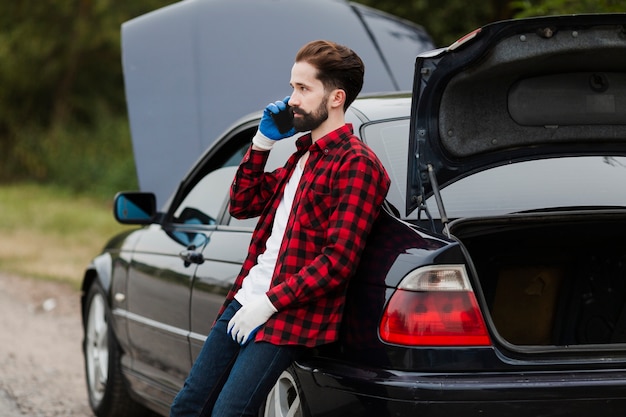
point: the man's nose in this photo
(293, 99)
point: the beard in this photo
(311, 120)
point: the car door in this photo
(226, 249)
(163, 267)
(158, 291)
(223, 257)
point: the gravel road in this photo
(41, 364)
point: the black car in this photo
(494, 281)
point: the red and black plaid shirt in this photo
(337, 201)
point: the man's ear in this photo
(337, 98)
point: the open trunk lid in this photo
(520, 130)
(517, 90)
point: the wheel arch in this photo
(98, 270)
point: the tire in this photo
(106, 388)
(285, 398)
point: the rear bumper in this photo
(355, 392)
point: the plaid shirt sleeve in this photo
(252, 187)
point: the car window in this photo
(389, 140)
(533, 185)
(523, 186)
(205, 202)
(203, 205)
(235, 159)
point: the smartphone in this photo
(284, 120)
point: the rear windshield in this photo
(525, 186)
(535, 185)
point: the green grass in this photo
(51, 233)
(56, 189)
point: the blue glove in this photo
(268, 125)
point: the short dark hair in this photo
(337, 67)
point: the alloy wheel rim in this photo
(97, 349)
(283, 400)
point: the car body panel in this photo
(223, 258)
(466, 394)
(193, 68)
(158, 274)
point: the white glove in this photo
(249, 318)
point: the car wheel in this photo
(108, 396)
(284, 400)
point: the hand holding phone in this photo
(277, 120)
(284, 119)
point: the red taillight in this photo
(434, 306)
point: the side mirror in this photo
(134, 207)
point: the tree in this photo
(445, 20)
(448, 20)
(61, 58)
(60, 63)
(528, 8)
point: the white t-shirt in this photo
(258, 280)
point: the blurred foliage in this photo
(94, 160)
(62, 108)
(448, 20)
(60, 79)
(529, 8)
(60, 57)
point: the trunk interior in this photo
(556, 279)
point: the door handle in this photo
(190, 256)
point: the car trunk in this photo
(551, 279)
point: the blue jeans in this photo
(228, 379)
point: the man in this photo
(315, 215)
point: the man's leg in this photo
(253, 375)
(209, 370)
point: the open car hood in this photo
(193, 68)
(517, 90)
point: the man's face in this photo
(309, 100)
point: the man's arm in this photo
(252, 187)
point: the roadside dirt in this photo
(41, 364)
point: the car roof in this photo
(383, 106)
(192, 68)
